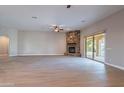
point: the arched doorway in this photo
(4, 46)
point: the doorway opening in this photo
(95, 47)
(4, 46)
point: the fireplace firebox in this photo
(72, 50)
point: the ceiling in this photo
(74, 18)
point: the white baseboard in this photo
(38, 54)
(119, 67)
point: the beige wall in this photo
(4, 45)
(114, 27)
(41, 43)
(31, 43)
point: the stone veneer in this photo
(73, 40)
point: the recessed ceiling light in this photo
(34, 17)
(83, 21)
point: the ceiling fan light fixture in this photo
(56, 30)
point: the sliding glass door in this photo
(95, 47)
(99, 47)
(89, 47)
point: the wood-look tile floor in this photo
(57, 71)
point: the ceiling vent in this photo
(68, 6)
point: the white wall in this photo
(12, 35)
(114, 26)
(41, 43)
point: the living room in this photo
(61, 45)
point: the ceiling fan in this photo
(58, 28)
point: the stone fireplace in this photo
(73, 43)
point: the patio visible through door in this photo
(95, 47)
